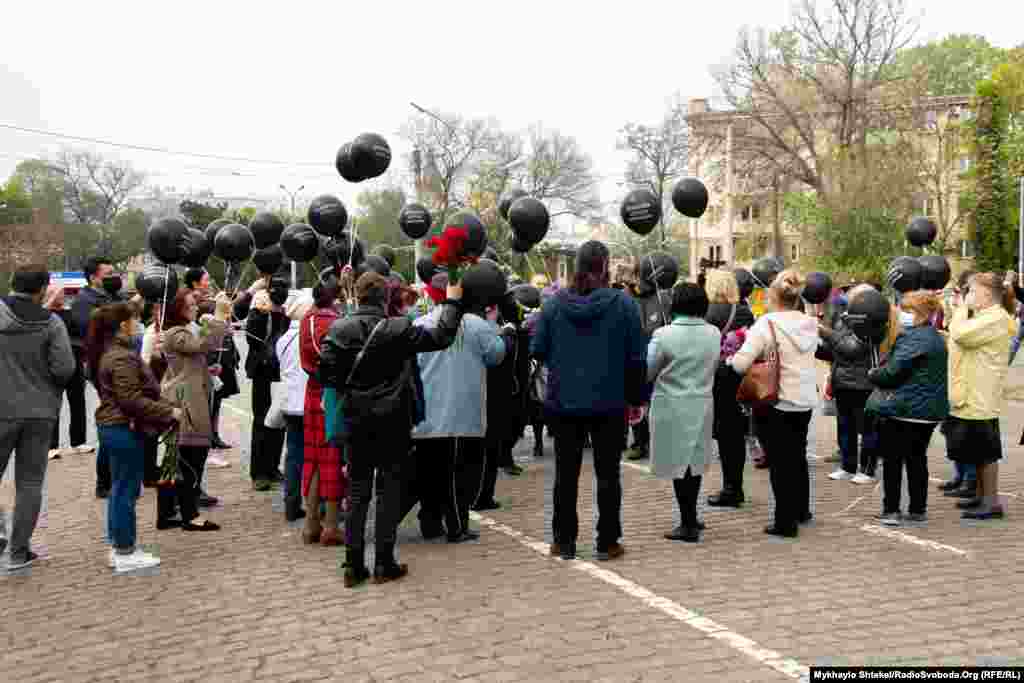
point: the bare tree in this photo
(560, 173)
(95, 189)
(660, 155)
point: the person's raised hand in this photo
(454, 292)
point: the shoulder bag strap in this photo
(777, 358)
(732, 318)
(362, 352)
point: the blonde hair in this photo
(921, 303)
(721, 287)
(1001, 294)
(787, 287)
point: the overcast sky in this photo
(291, 81)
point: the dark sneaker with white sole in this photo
(17, 562)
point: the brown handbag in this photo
(760, 386)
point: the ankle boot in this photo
(355, 567)
(968, 489)
(386, 569)
(293, 509)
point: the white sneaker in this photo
(216, 462)
(54, 454)
(134, 562)
(83, 450)
(841, 475)
(112, 560)
(861, 478)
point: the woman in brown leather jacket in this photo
(130, 407)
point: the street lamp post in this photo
(295, 278)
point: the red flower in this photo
(449, 247)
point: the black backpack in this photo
(265, 364)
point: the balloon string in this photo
(163, 306)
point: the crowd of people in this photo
(367, 386)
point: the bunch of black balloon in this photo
(345, 250)
(817, 288)
(415, 221)
(167, 239)
(328, 215)
(868, 316)
(374, 264)
(386, 252)
(234, 245)
(268, 260)
(266, 229)
(508, 199)
(366, 157)
(197, 249)
(214, 227)
(530, 220)
(905, 274)
(659, 270)
(426, 269)
(476, 239)
(935, 272)
(640, 211)
(921, 232)
(690, 197)
(484, 284)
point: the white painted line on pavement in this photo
(784, 665)
(646, 469)
(910, 538)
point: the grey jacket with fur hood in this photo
(35, 360)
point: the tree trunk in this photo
(777, 246)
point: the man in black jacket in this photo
(104, 288)
(368, 359)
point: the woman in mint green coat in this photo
(681, 361)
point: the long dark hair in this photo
(103, 327)
(591, 268)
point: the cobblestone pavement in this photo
(252, 603)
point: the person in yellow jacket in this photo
(979, 338)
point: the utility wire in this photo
(161, 150)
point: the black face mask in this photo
(112, 284)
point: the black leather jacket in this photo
(385, 367)
(850, 356)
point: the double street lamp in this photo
(295, 277)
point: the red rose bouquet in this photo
(450, 251)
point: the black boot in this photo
(293, 509)
(166, 509)
(355, 567)
(726, 499)
(386, 568)
(968, 490)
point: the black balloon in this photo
(935, 272)
(343, 251)
(745, 281)
(346, 166)
(508, 199)
(426, 269)
(766, 270)
(328, 215)
(640, 211)
(371, 155)
(659, 270)
(167, 239)
(868, 316)
(817, 288)
(376, 264)
(519, 246)
(921, 232)
(476, 241)
(214, 227)
(484, 284)
(269, 259)
(905, 274)
(300, 243)
(234, 243)
(690, 197)
(197, 249)
(527, 295)
(266, 229)
(415, 221)
(386, 252)
(529, 219)
(157, 282)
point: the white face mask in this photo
(906, 319)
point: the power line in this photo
(160, 150)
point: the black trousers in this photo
(731, 427)
(377, 450)
(783, 436)
(607, 434)
(905, 443)
(150, 446)
(497, 453)
(267, 444)
(75, 390)
(419, 485)
(642, 434)
(850, 406)
(458, 466)
(191, 461)
(687, 490)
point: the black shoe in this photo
(805, 518)
(295, 515)
(14, 563)
(567, 551)
(205, 526)
(164, 524)
(969, 504)
(690, 534)
(389, 572)
(773, 530)
(486, 505)
(700, 526)
(726, 500)
(207, 501)
(466, 535)
(219, 444)
(967, 490)
(431, 534)
(538, 450)
(3, 545)
(102, 492)
(950, 485)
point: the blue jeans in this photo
(294, 440)
(127, 457)
(966, 472)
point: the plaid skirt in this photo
(319, 455)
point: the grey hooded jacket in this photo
(35, 360)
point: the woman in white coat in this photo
(293, 379)
(681, 361)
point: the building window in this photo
(966, 249)
(794, 252)
(965, 164)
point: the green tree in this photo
(376, 223)
(951, 66)
(200, 214)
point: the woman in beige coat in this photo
(186, 384)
